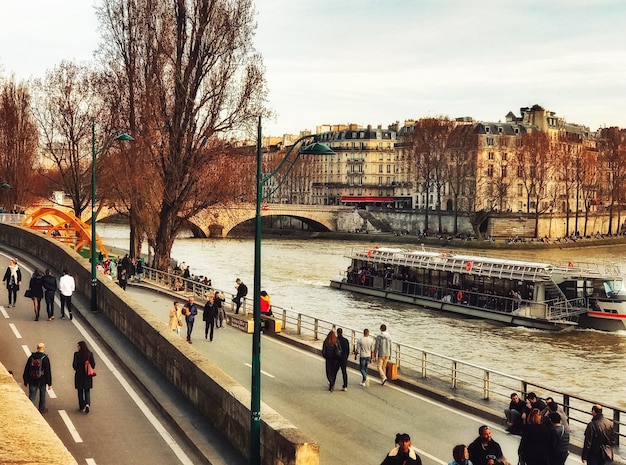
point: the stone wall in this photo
(26, 436)
(214, 393)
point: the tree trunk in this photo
(164, 239)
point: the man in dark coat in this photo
(38, 379)
(343, 358)
(599, 433)
(242, 292)
(49, 283)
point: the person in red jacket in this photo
(266, 307)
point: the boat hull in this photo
(449, 307)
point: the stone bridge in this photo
(219, 221)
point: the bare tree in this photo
(612, 151)
(461, 168)
(428, 145)
(189, 76)
(66, 106)
(18, 144)
(534, 165)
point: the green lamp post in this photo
(115, 135)
(288, 161)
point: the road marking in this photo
(169, 440)
(4, 312)
(70, 426)
(15, 331)
(264, 372)
(90, 461)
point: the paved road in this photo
(124, 426)
(357, 426)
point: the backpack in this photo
(36, 368)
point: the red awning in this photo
(367, 199)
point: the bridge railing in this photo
(469, 380)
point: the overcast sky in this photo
(376, 62)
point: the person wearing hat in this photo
(404, 453)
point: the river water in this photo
(296, 273)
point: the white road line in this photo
(15, 331)
(90, 461)
(4, 312)
(169, 440)
(264, 372)
(70, 426)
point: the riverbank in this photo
(434, 241)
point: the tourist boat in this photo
(514, 292)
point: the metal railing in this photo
(468, 380)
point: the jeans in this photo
(66, 302)
(50, 303)
(12, 295)
(32, 394)
(84, 397)
(363, 363)
(189, 329)
(208, 328)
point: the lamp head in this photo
(124, 136)
(316, 149)
(5, 185)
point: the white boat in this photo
(514, 292)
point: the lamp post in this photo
(115, 135)
(288, 162)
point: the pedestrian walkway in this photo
(358, 425)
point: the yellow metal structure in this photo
(64, 227)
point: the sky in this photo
(377, 62)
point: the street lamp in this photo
(115, 135)
(314, 148)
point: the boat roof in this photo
(486, 265)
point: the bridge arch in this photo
(311, 222)
(64, 227)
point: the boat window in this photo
(614, 288)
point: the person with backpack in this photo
(38, 376)
(83, 382)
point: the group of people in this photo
(544, 441)
(121, 269)
(544, 428)
(38, 376)
(336, 351)
(41, 286)
(213, 315)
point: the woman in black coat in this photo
(82, 382)
(36, 291)
(538, 440)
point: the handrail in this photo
(466, 379)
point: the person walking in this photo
(82, 382)
(38, 376)
(209, 316)
(364, 348)
(35, 287)
(331, 351)
(219, 303)
(190, 310)
(139, 269)
(242, 292)
(13, 280)
(599, 433)
(404, 453)
(382, 351)
(343, 358)
(49, 283)
(176, 318)
(67, 286)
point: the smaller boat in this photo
(514, 292)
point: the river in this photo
(296, 273)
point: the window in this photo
(388, 168)
(490, 171)
(504, 171)
(490, 141)
(504, 156)
(380, 180)
(380, 168)
(520, 190)
(490, 155)
(520, 171)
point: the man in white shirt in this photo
(67, 285)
